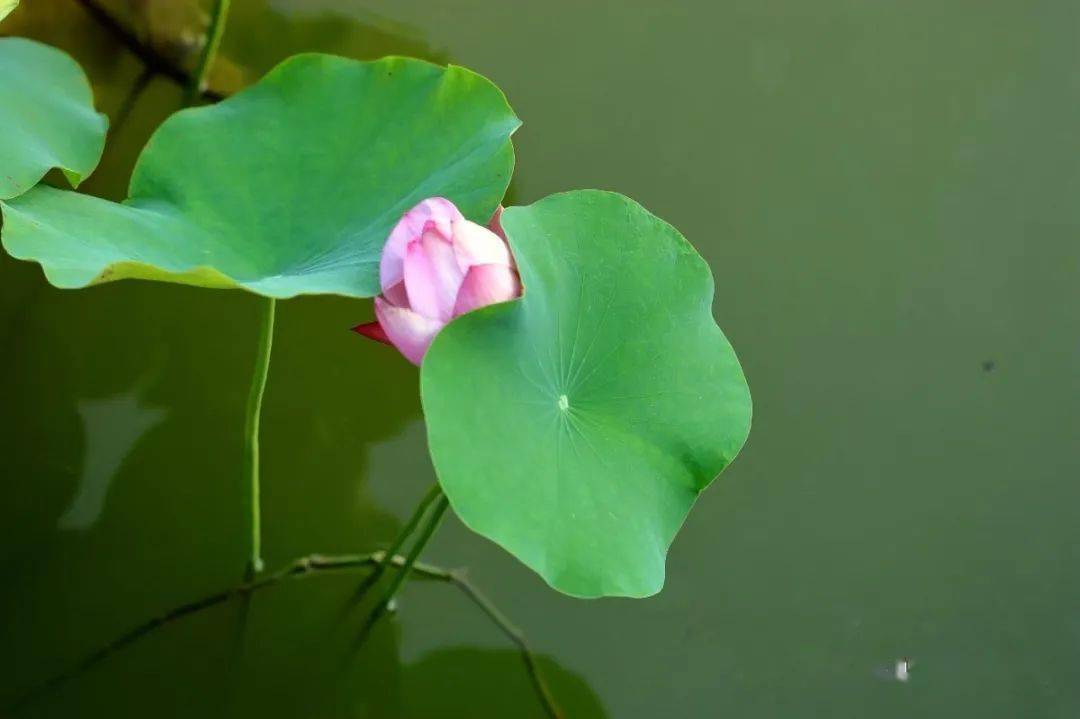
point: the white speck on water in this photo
(564, 402)
(902, 667)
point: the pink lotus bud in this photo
(435, 266)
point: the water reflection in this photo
(397, 455)
(468, 683)
(279, 653)
(112, 426)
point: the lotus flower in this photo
(435, 266)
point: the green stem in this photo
(547, 700)
(441, 504)
(399, 541)
(251, 432)
(305, 566)
(206, 59)
(158, 64)
(310, 566)
(414, 553)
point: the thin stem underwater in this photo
(517, 637)
(399, 541)
(251, 433)
(441, 504)
(310, 566)
(303, 567)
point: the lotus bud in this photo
(435, 266)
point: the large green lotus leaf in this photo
(47, 116)
(576, 426)
(289, 187)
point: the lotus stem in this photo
(251, 433)
(399, 541)
(214, 34)
(137, 89)
(309, 566)
(302, 567)
(517, 637)
(158, 64)
(441, 504)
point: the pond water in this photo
(887, 194)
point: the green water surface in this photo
(889, 196)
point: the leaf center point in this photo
(564, 402)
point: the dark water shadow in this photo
(472, 683)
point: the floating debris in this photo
(903, 665)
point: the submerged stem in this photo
(313, 565)
(206, 59)
(517, 637)
(403, 574)
(399, 541)
(302, 567)
(418, 547)
(251, 432)
(137, 89)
